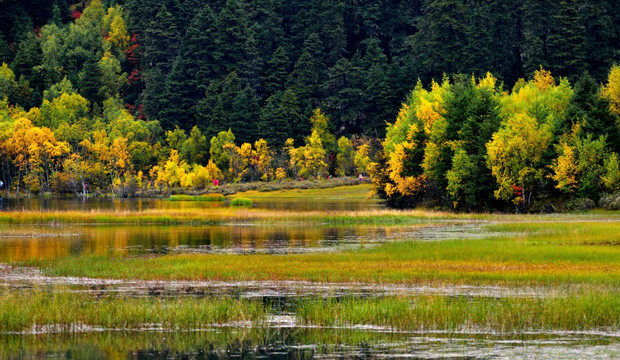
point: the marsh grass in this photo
(213, 216)
(204, 197)
(241, 202)
(69, 312)
(221, 216)
(521, 257)
(586, 311)
(33, 310)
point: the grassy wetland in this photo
(263, 276)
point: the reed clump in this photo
(241, 201)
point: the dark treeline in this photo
(261, 67)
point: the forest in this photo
(468, 105)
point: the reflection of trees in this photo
(211, 344)
(125, 240)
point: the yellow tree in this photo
(262, 159)
(309, 160)
(36, 153)
(345, 157)
(362, 158)
(515, 157)
(115, 27)
(611, 173)
(565, 170)
(66, 109)
(611, 90)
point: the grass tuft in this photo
(241, 201)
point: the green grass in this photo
(241, 201)
(222, 216)
(205, 197)
(214, 216)
(20, 311)
(520, 257)
(34, 310)
(574, 312)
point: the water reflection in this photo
(302, 343)
(116, 204)
(19, 243)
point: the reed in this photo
(586, 311)
(62, 311)
(65, 311)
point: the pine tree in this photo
(566, 43)
(90, 82)
(437, 46)
(191, 71)
(245, 116)
(537, 27)
(161, 45)
(232, 26)
(277, 71)
(215, 109)
(602, 32)
(592, 110)
(280, 118)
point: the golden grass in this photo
(235, 215)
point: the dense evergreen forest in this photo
(110, 95)
(261, 67)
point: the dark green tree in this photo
(591, 110)
(280, 117)
(193, 68)
(277, 71)
(230, 38)
(161, 46)
(245, 116)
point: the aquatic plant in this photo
(241, 201)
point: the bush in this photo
(241, 201)
(610, 202)
(583, 204)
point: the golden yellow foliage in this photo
(543, 79)
(611, 90)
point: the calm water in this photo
(30, 242)
(38, 204)
(277, 341)
(303, 343)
